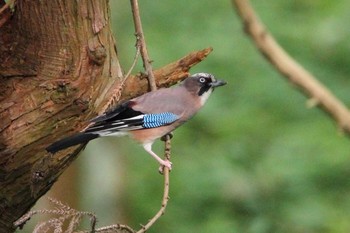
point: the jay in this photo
(149, 116)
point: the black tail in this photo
(71, 141)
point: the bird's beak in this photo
(218, 83)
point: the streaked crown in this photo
(201, 83)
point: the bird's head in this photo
(202, 85)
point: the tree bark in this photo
(57, 60)
(58, 68)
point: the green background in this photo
(255, 159)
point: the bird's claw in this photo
(164, 163)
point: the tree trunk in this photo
(58, 68)
(57, 63)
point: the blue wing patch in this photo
(159, 119)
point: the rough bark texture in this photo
(57, 60)
(58, 68)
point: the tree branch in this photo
(166, 76)
(152, 83)
(165, 198)
(288, 67)
(115, 97)
(6, 6)
(144, 53)
(5, 11)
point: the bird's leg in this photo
(148, 148)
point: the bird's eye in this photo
(202, 80)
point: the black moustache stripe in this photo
(203, 89)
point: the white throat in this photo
(204, 97)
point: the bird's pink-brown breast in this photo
(174, 100)
(149, 135)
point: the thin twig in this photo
(116, 97)
(5, 12)
(114, 227)
(148, 67)
(7, 5)
(64, 214)
(165, 198)
(144, 53)
(137, 54)
(287, 66)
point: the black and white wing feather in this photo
(116, 122)
(125, 118)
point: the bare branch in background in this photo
(294, 72)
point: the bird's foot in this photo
(164, 163)
(171, 135)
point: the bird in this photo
(149, 116)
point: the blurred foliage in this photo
(255, 159)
